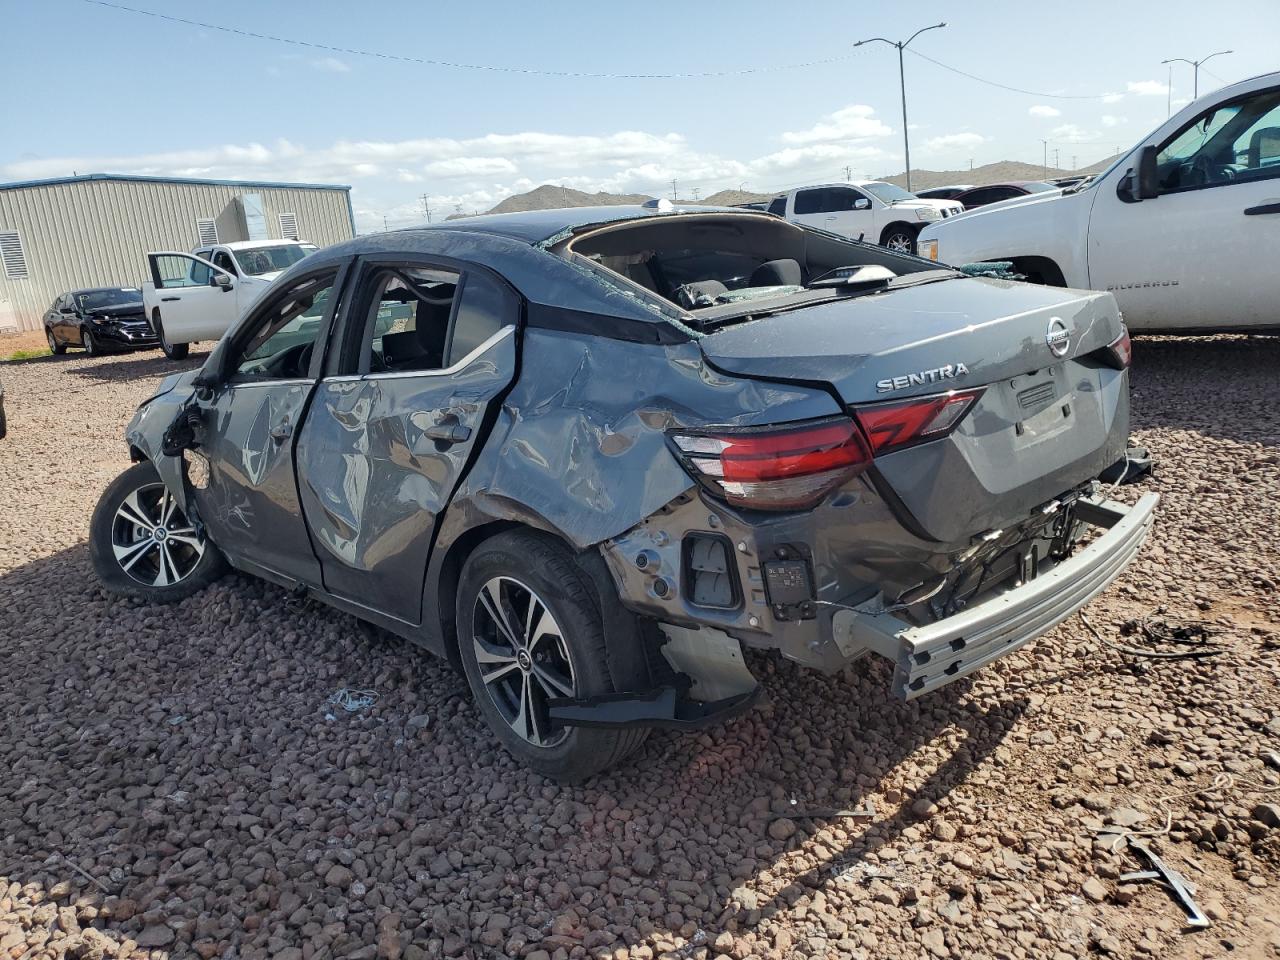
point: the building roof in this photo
(19, 184)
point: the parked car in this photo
(997, 192)
(1183, 228)
(868, 209)
(944, 193)
(99, 319)
(592, 454)
(199, 295)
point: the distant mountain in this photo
(549, 195)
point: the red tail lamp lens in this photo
(897, 424)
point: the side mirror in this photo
(222, 280)
(862, 203)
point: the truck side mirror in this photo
(862, 203)
(222, 280)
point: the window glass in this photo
(887, 192)
(222, 260)
(810, 201)
(286, 332)
(259, 260)
(1239, 141)
(486, 307)
(408, 323)
(778, 206)
(177, 270)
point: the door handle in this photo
(1271, 206)
(169, 299)
(448, 432)
(282, 431)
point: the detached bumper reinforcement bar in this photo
(930, 656)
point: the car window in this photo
(222, 260)
(810, 201)
(285, 332)
(778, 206)
(486, 307)
(172, 270)
(407, 324)
(1224, 144)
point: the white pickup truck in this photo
(1184, 229)
(873, 210)
(199, 295)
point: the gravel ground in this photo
(173, 782)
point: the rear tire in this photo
(550, 642)
(143, 546)
(174, 351)
(56, 348)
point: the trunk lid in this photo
(1044, 425)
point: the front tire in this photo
(143, 546)
(899, 238)
(530, 628)
(91, 347)
(56, 348)
(174, 351)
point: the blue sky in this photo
(92, 89)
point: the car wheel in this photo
(90, 344)
(899, 239)
(56, 348)
(529, 630)
(174, 351)
(142, 544)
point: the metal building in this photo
(95, 230)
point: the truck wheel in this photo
(530, 629)
(899, 238)
(142, 545)
(174, 351)
(56, 348)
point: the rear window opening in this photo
(725, 265)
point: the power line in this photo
(993, 83)
(458, 65)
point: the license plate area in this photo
(1039, 403)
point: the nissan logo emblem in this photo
(1057, 337)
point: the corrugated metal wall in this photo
(88, 233)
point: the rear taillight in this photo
(793, 467)
(1119, 352)
(904, 423)
(775, 468)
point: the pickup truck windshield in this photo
(260, 260)
(887, 192)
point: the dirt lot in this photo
(172, 780)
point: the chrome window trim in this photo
(494, 340)
(290, 382)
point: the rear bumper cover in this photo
(928, 657)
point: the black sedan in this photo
(101, 319)
(996, 192)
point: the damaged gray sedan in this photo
(591, 455)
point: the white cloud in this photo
(1112, 97)
(1109, 121)
(1044, 110)
(854, 122)
(469, 167)
(331, 65)
(1147, 88)
(954, 141)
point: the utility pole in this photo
(426, 206)
(1168, 94)
(902, 82)
(1046, 158)
(848, 173)
(696, 191)
(384, 223)
(673, 189)
(1057, 164)
(1195, 66)
(971, 164)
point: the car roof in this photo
(252, 244)
(538, 226)
(103, 290)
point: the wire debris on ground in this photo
(352, 700)
(1190, 633)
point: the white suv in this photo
(870, 210)
(198, 295)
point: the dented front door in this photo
(250, 502)
(378, 460)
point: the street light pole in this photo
(1195, 66)
(902, 82)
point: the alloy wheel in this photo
(53, 344)
(899, 242)
(152, 539)
(523, 658)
